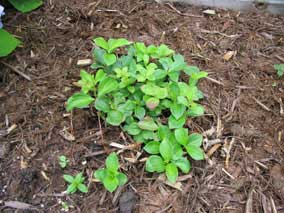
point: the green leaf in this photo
(196, 110)
(132, 129)
(163, 51)
(79, 100)
(111, 183)
(177, 150)
(155, 164)
(183, 164)
(71, 188)
(102, 104)
(100, 74)
(182, 100)
(178, 64)
(196, 76)
(82, 188)
(79, 178)
(177, 110)
(26, 5)
(87, 81)
(122, 179)
(189, 70)
(176, 123)
(99, 58)
(139, 112)
(7, 43)
(195, 139)
(163, 132)
(171, 172)
(115, 118)
(148, 124)
(113, 44)
(152, 147)
(280, 69)
(68, 178)
(112, 163)
(174, 90)
(195, 152)
(101, 42)
(100, 174)
(109, 59)
(107, 85)
(166, 150)
(153, 90)
(181, 135)
(152, 103)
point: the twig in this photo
(182, 14)
(261, 104)
(215, 81)
(17, 71)
(217, 32)
(102, 135)
(227, 173)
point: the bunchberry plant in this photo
(75, 183)
(63, 161)
(279, 69)
(110, 176)
(139, 89)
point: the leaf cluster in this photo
(141, 91)
(75, 183)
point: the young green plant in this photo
(75, 183)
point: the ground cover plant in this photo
(140, 90)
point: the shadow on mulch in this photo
(243, 125)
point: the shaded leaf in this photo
(7, 43)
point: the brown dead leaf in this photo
(67, 135)
(229, 55)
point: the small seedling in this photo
(110, 176)
(76, 183)
(63, 161)
(280, 69)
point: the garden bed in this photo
(243, 125)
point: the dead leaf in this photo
(84, 62)
(67, 135)
(229, 55)
(18, 205)
(209, 12)
(45, 176)
(23, 164)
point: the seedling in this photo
(63, 161)
(280, 69)
(75, 183)
(141, 91)
(110, 176)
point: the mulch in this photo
(243, 125)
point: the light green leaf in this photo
(195, 139)
(189, 70)
(177, 110)
(148, 124)
(68, 178)
(107, 85)
(113, 44)
(115, 118)
(132, 129)
(155, 164)
(111, 183)
(195, 152)
(79, 100)
(109, 59)
(163, 132)
(122, 179)
(100, 74)
(176, 123)
(7, 43)
(178, 64)
(174, 90)
(166, 150)
(101, 42)
(139, 112)
(196, 76)
(181, 135)
(82, 188)
(87, 81)
(152, 103)
(153, 90)
(182, 100)
(196, 110)
(71, 188)
(152, 147)
(163, 51)
(100, 174)
(280, 69)
(26, 5)
(112, 163)
(183, 164)
(171, 172)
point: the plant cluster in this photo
(140, 90)
(8, 42)
(75, 183)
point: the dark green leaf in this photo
(132, 129)
(152, 147)
(115, 118)
(176, 123)
(7, 43)
(107, 85)
(155, 164)
(26, 5)
(102, 104)
(99, 57)
(171, 172)
(112, 163)
(139, 112)
(79, 100)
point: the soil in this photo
(243, 125)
